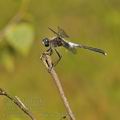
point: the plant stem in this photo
(48, 64)
(18, 102)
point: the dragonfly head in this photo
(45, 42)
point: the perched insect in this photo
(59, 40)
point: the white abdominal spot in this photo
(73, 44)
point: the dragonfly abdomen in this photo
(93, 49)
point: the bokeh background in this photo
(91, 81)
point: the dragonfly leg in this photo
(49, 51)
(59, 58)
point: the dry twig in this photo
(18, 102)
(48, 64)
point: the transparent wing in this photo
(53, 31)
(62, 33)
(71, 49)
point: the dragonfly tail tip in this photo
(105, 54)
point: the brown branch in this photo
(18, 102)
(48, 64)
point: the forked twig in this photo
(48, 64)
(18, 102)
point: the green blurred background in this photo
(91, 81)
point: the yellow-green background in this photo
(91, 81)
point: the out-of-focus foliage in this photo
(7, 60)
(20, 37)
(91, 81)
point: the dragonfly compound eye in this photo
(46, 42)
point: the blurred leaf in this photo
(20, 37)
(7, 60)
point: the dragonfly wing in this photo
(53, 31)
(72, 49)
(62, 33)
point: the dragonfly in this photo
(60, 41)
